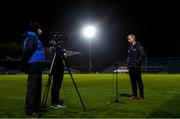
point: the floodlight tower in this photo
(89, 32)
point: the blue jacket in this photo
(39, 53)
(33, 57)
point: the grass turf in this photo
(162, 96)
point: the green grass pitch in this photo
(162, 97)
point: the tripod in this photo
(117, 97)
(117, 100)
(44, 100)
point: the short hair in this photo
(33, 26)
(132, 36)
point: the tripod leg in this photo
(117, 84)
(77, 90)
(73, 81)
(44, 100)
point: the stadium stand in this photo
(152, 65)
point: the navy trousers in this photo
(136, 81)
(56, 86)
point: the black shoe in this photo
(34, 114)
(28, 113)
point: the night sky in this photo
(155, 24)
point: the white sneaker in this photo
(59, 106)
(52, 106)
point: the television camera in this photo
(57, 38)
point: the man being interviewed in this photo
(134, 62)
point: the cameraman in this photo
(32, 62)
(57, 72)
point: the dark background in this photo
(155, 24)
